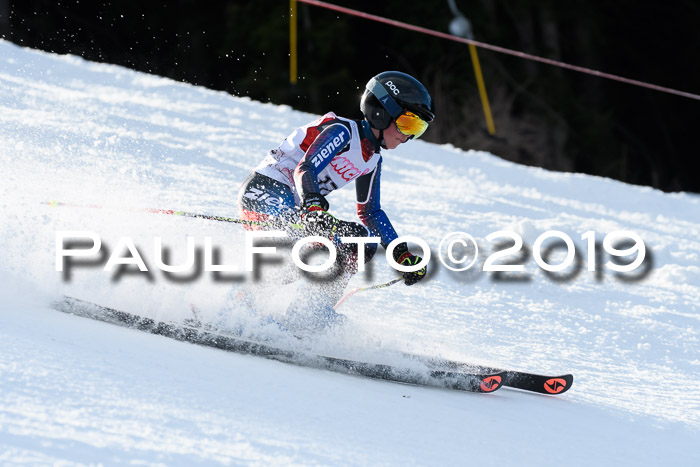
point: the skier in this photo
(290, 185)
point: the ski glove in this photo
(405, 258)
(315, 216)
(314, 202)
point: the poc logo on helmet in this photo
(393, 88)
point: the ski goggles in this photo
(411, 124)
(407, 122)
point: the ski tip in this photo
(558, 384)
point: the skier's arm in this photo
(329, 143)
(369, 208)
(373, 216)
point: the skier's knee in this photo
(350, 250)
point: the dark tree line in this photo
(545, 116)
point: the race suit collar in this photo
(367, 133)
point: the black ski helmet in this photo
(390, 93)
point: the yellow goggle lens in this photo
(411, 124)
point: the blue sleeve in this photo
(369, 209)
(328, 144)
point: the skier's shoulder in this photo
(331, 118)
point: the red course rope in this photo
(496, 48)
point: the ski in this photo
(526, 381)
(480, 381)
(534, 382)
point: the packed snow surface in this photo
(75, 391)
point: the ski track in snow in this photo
(83, 392)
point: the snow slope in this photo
(74, 391)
